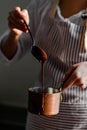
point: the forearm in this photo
(9, 45)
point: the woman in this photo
(58, 28)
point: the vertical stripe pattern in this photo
(64, 48)
(62, 41)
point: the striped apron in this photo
(62, 41)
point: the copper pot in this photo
(46, 103)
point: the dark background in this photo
(15, 79)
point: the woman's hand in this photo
(16, 24)
(15, 20)
(76, 75)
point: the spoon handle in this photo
(29, 30)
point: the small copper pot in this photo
(46, 103)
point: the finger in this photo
(80, 83)
(13, 25)
(17, 11)
(15, 14)
(16, 22)
(25, 15)
(22, 13)
(70, 81)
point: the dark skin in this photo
(77, 74)
(17, 26)
(71, 7)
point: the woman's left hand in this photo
(76, 75)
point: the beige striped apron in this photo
(62, 41)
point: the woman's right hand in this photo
(15, 20)
(16, 24)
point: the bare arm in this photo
(9, 45)
(15, 22)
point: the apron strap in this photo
(84, 35)
(53, 8)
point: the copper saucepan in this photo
(44, 103)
